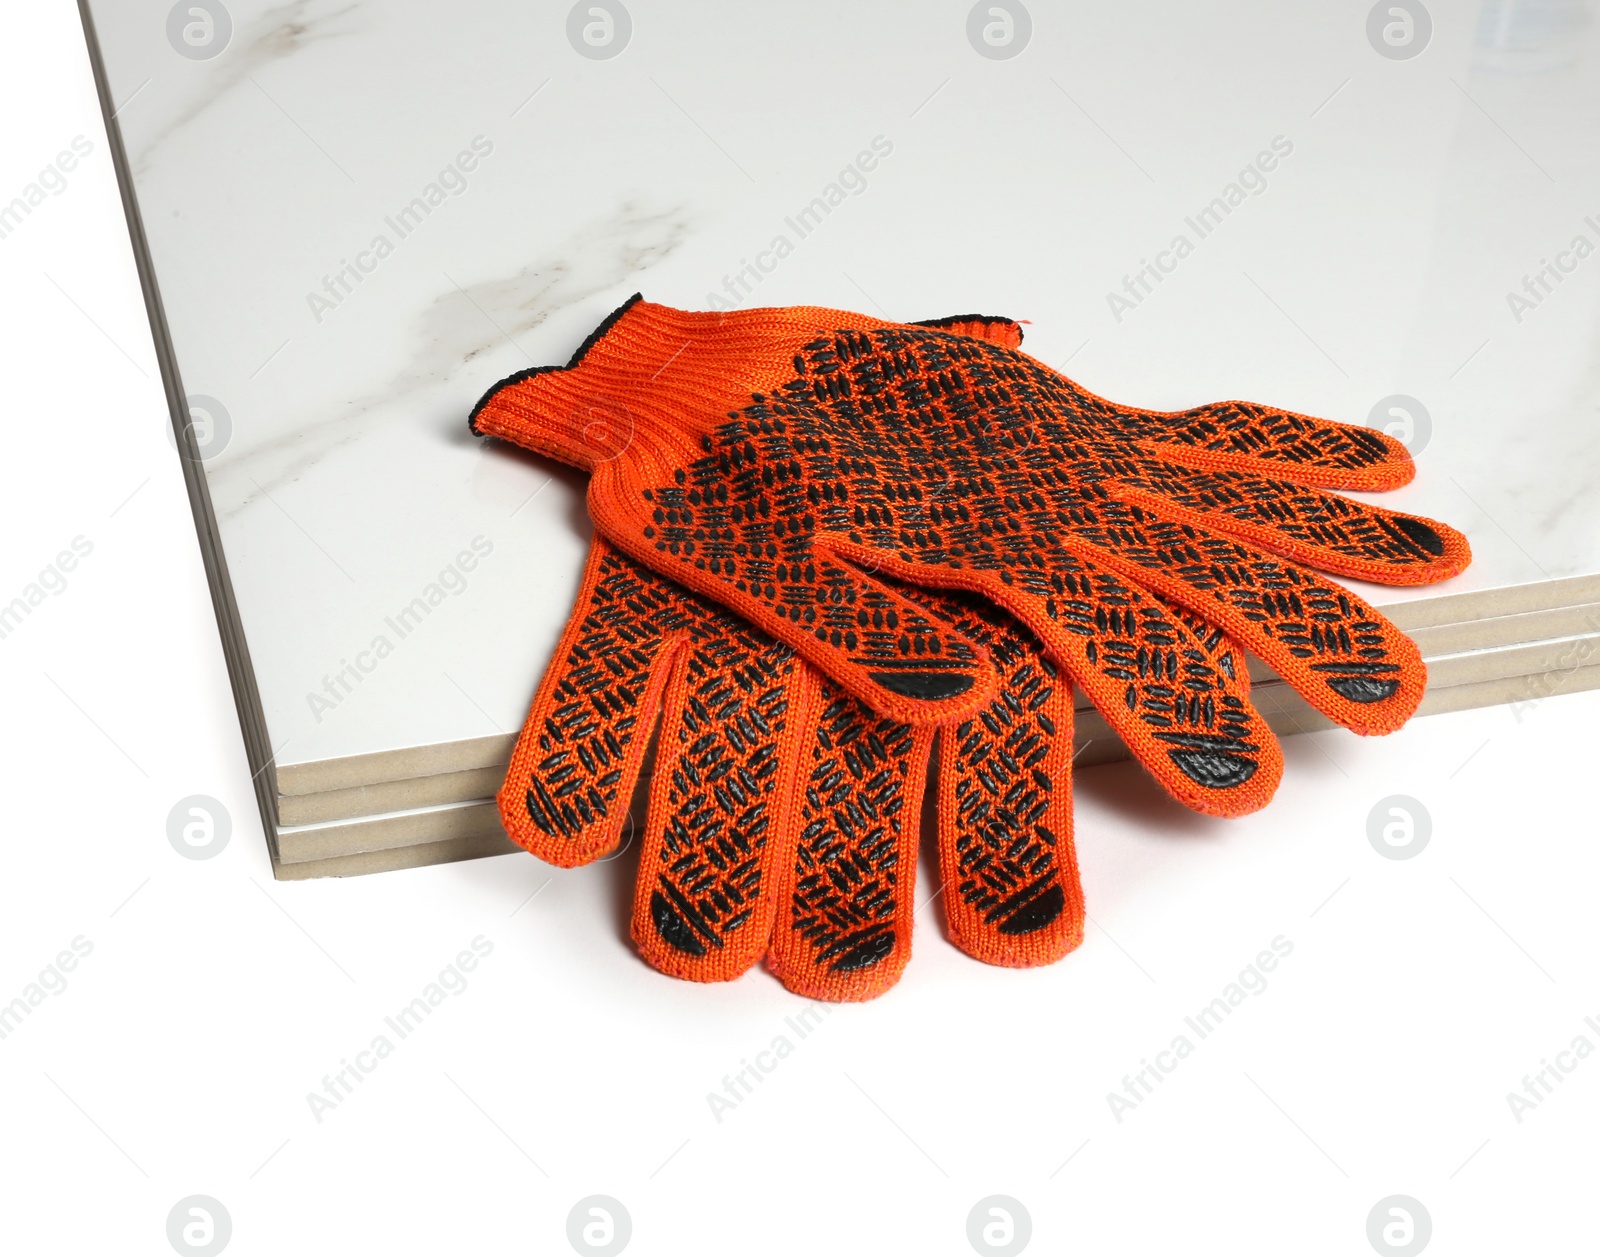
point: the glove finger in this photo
(1267, 441)
(1246, 436)
(877, 644)
(1183, 710)
(1221, 649)
(1250, 437)
(1327, 531)
(1347, 661)
(721, 827)
(1006, 858)
(844, 926)
(565, 796)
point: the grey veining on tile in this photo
(274, 35)
(454, 326)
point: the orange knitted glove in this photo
(784, 817)
(778, 461)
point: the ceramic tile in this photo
(345, 325)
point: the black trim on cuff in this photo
(951, 320)
(517, 377)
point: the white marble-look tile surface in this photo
(1408, 199)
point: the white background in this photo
(178, 1058)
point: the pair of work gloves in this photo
(827, 544)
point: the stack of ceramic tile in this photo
(1517, 646)
(338, 264)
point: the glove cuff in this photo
(645, 376)
(586, 412)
